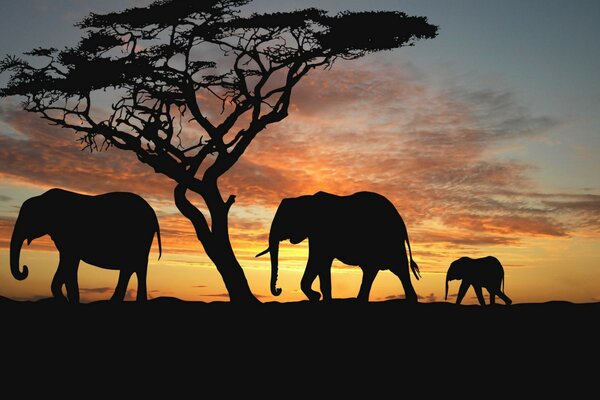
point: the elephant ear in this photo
(301, 213)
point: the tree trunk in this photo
(216, 241)
(221, 254)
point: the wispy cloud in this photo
(47, 156)
(360, 127)
(96, 290)
(430, 298)
(224, 295)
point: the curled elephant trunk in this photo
(16, 243)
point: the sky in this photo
(486, 139)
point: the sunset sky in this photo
(486, 139)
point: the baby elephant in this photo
(484, 272)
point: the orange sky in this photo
(440, 158)
(485, 139)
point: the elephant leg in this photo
(504, 298)
(71, 281)
(119, 293)
(464, 286)
(404, 275)
(141, 278)
(479, 294)
(369, 274)
(492, 294)
(310, 274)
(325, 280)
(66, 274)
(57, 283)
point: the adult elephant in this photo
(363, 229)
(486, 272)
(112, 231)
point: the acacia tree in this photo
(165, 65)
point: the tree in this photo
(164, 66)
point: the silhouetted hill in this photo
(533, 348)
(344, 316)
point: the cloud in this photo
(33, 297)
(47, 156)
(130, 295)
(97, 290)
(226, 295)
(5, 198)
(396, 297)
(431, 152)
(430, 298)
(362, 126)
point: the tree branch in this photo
(193, 214)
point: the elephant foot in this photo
(412, 299)
(313, 296)
(60, 298)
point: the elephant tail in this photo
(413, 265)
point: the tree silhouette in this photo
(140, 77)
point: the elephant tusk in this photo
(262, 253)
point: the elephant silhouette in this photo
(363, 229)
(486, 272)
(112, 230)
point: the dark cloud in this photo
(430, 298)
(34, 297)
(395, 297)
(97, 290)
(226, 295)
(5, 198)
(131, 294)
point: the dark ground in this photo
(551, 347)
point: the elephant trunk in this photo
(16, 242)
(447, 279)
(274, 250)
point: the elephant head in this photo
(455, 271)
(291, 221)
(31, 224)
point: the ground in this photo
(378, 342)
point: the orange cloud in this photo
(358, 127)
(44, 155)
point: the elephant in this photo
(363, 229)
(112, 230)
(486, 272)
